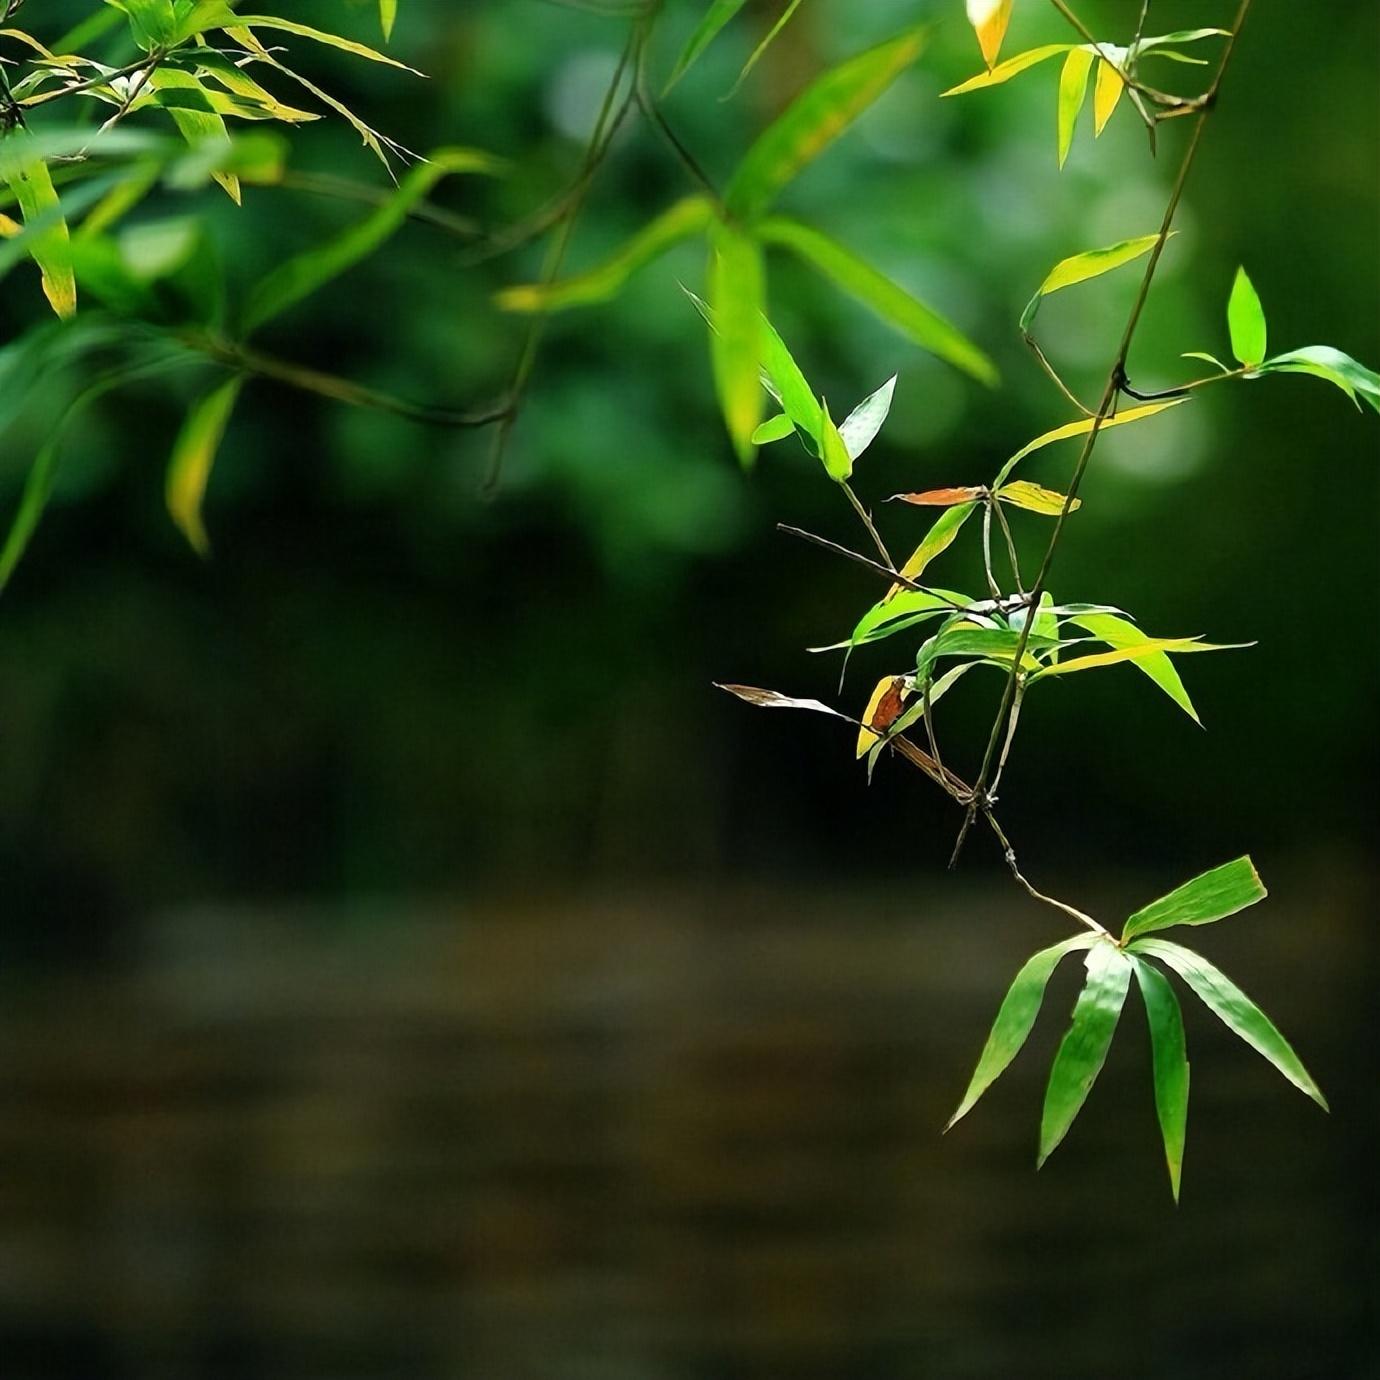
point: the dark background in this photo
(412, 967)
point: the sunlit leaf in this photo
(736, 293)
(1207, 359)
(940, 498)
(1015, 1019)
(388, 16)
(686, 218)
(815, 119)
(299, 277)
(1234, 1008)
(937, 690)
(1012, 67)
(1120, 632)
(1213, 896)
(193, 455)
(49, 244)
(1073, 91)
(1081, 428)
(1078, 268)
(1169, 1056)
(269, 21)
(1083, 1050)
(196, 126)
(773, 429)
(989, 19)
(1107, 92)
(789, 386)
(714, 18)
(925, 326)
(1322, 361)
(770, 37)
(1246, 321)
(1033, 498)
(859, 429)
(939, 538)
(1140, 652)
(833, 451)
(890, 616)
(884, 707)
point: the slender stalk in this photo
(1116, 378)
(866, 518)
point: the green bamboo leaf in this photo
(1234, 1008)
(838, 464)
(1161, 41)
(1120, 632)
(1216, 894)
(1034, 498)
(255, 101)
(152, 22)
(1179, 646)
(196, 126)
(925, 326)
(201, 17)
(937, 540)
(789, 386)
(1169, 1056)
(783, 19)
(1083, 1050)
(288, 26)
(1073, 91)
(1322, 361)
(193, 455)
(689, 217)
(736, 292)
(964, 638)
(1016, 1019)
(1092, 263)
(1012, 67)
(713, 20)
(859, 429)
(1207, 359)
(299, 277)
(388, 16)
(1246, 321)
(773, 429)
(1081, 428)
(49, 244)
(815, 119)
(887, 617)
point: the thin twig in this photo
(867, 522)
(885, 571)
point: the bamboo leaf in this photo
(388, 16)
(939, 538)
(1081, 428)
(890, 616)
(789, 386)
(1078, 268)
(989, 19)
(838, 464)
(1235, 1009)
(1139, 652)
(771, 699)
(925, 326)
(1012, 67)
(1246, 321)
(815, 119)
(686, 218)
(1073, 91)
(196, 126)
(773, 429)
(1339, 369)
(1169, 1056)
(713, 20)
(1015, 1019)
(193, 455)
(49, 244)
(1033, 498)
(299, 277)
(288, 26)
(859, 429)
(1119, 632)
(1107, 92)
(783, 19)
(1083, 1050)
(1216, 894)
(736, 292)
(940, 498)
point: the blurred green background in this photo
(414, 967)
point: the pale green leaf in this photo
(939, 538)
(773, 429)
(1354, 379)
(815, 119)
(838, 464)
(736, 295)
(1119, 632)
(388, 16)
(1015, 1019)
(859, 429)
(689, 217)
(1246, 321)
(1082, 428)
(1169, 1056)
(1073, 91)
(269, 21)
(925, 326)
(782, 20)
(1213, 896)
(1012, 67)
(1092, 263)
(1235, 1009)
(1177, 645)
(193, 455)
(1083, 1050)
(49, 244)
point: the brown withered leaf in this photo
(939, 498)
(772, 699)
